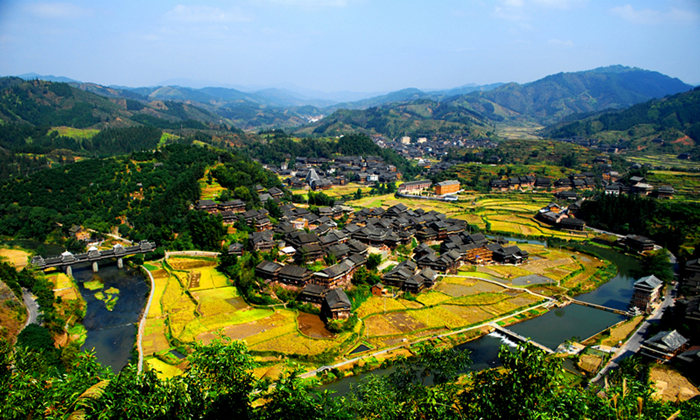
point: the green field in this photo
(76, 133)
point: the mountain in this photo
(550, 99)
(669, 125)
(40, 103)
(422, 116)
(49, 78)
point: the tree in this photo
(528, 377)
(207, 231)
(658, 264)
(373, 261)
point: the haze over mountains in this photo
(408, 111)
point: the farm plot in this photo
(207, 278)
(16, 257)
(479, 299)
(295, 343)
(182, 313)
(154, 339)
(162, 369)
(376, 304)
(458, 287)
(438, 316)
(431, 298)
(180, 263)
(160, 281)
(172, 293)
(469, 314)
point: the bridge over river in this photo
(68, 259)
(519, 337)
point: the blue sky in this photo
(354, 45)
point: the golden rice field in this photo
(16, 257)
(162, 369)
(431, 298)
(376, 304)
(209, 278)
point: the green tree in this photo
(373, 261)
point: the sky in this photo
(345, 45)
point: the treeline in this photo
(674, 225)
(164, 124)
(680, 112)
(25, 138)
(219, 383)
(18, 103)
(112, 141)
(282, 148)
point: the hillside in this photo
(667, 125)
(424, 116)
(41, 103)
(549, 99)
(545, 101)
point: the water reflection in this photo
(112, 333)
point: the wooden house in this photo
(647, 291)
(336, 305)
(664, 346)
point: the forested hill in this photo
(549, 99)
(147, 195)
(42, 103)
(671, 124)
(423, 116)
(545, 101)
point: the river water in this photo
(112, 334)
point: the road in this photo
(32, 307)
(631, 347)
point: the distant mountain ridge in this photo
(546, 101)
(42, 103)
(551, 98)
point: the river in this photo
(112, 334)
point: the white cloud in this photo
(654, 17)
(309, 4)
(207, 14)
(559, 4)
(58, 10)
(559, 42)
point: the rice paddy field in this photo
(457, 302)
(16, 257)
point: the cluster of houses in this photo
(323, 174)
(306, 240)
(418, 147)
(230, 210)
(581, 182)
(568, 188)
(636, 185)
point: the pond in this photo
(561, 324)
(112, 334)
